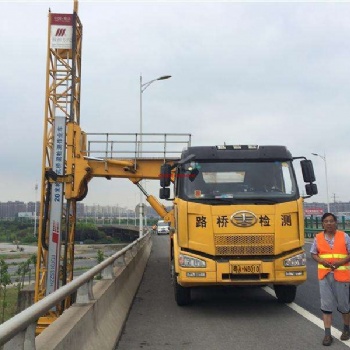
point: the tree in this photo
(87, 231)
(22, 270)
(100, 258)
(5, 280)
(32, 260)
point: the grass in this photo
(11, 303)
(12, 291)
(15, 256)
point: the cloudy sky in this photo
(242, 73)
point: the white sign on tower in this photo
(61, 31)
(55, 229)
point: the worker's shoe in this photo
(327, 340)
(345, 335)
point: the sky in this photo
(263, 73)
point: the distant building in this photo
(11, 210)
(26, 214)
(337, 208)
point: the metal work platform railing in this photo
(134, 145)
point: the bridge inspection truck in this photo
(237, 219)
(237, 216)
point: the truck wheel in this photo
(284, 293)
(182, 294)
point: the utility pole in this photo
(326, 174)
(35, 216)
(334, 196)
(143, 87)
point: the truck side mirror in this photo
(165, 175)
(311, 189)
(164, 193)
(307, 170)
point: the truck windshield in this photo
(238, 181)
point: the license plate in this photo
(246, 269)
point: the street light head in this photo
(144, 86)
(318, 155)
(163, 77)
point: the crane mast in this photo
(70, 161)
(62, 111)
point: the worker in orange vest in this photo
(331, 250)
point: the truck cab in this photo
(238, 219)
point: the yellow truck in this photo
(237, 218)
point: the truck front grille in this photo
(246, 244)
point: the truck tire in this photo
(182, 294)
(285, 293)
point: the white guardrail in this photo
(19, 331)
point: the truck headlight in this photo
(189, 261)
(296, 260)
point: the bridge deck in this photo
(219, 318)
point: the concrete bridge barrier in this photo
(98, 324)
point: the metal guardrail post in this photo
(120, 261)
(108, 273)
(84, 293)
(24, 340)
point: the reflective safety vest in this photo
(339, 251)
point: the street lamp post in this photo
(143, 87)
(36, 191)
(326, 173)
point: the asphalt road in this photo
(308, 295)
(219, 318)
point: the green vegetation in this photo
(25, 268)
(100, 258)
(8, 291)
(14, 256)
(17, 231)
(11, 303)
(21, 232)
(5, 280)
(89, 234)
